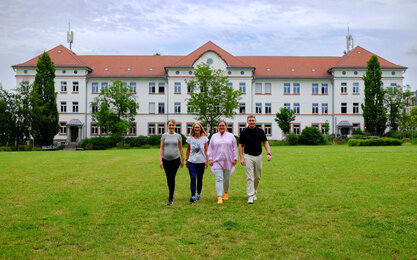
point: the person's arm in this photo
(234, 150)
(268, 150)
(242, 159)
(210, 151)
(161, 151)
(181, 153)
(205, 152)
(187, 156)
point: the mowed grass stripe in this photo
(314, 202)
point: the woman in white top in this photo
(171, 157)
(197, 159)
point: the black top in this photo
(252, 140)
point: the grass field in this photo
(313, 202)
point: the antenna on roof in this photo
(349, 42)
(70, 35)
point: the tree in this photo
(326, 127)
(284, 119)
(395, 103)
(116, 108)
(210, 97)
(44, 113)
(413, 120)
(374, 113)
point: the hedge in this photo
(375, 142)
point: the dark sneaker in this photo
(170, 202)
(192, 199)
(198, 197)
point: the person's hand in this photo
(211, 162)
(161, 164)
(186, 164)
(182, 163)
(242, 161)
(206, 164)
(234, 162)
(269, 157)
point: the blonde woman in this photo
(171, 157)
(196, 159)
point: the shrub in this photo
(357, 131)
(137, 141)
(98, 143)
(120, 145)
(154, 140)
(356, 136)
(311, 136)
(393, 134)
(6, 149)
(277, 143)
(375, 142)
(292, 139)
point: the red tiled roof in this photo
(229, 59)
(358, 58)
(281, 67)
(140, 66)
(61, 56)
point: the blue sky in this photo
(178, 27)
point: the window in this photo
(297, 108)
(268, 88)
(190, 89)
(63, 128)
(103, 130)
(75, 86)
(268, 128)
(63, 107)
(258, 88)
(296, 88)
(356, 126)
(133, 88)
(94, 107)
(242, 108)
(315, 88)
(355, 108)
(324, 88)
(152, 87)
(151, 129)
(317, 126)
(286, 88)
(287, 106)
(242, 126)
(75, 107)
(94, 129)
(94, 88)
(296, 129)
(343, 72)
(259, 125)
(230, 85)
(161, 87)
(104, 86)
(161, 108)
(315, 108)
(258, 108)
(242, 87)
(268, 108)
(24, 86)
(178, 128)
(344, 108)
(189, 109)
(229, 127)
(343, 89)
(177, 87)
(356, 88)
(151, 108)
(324, 108)
(189, 127)
(132, 129)
(161, 128)
(63, 86)
(177, 107)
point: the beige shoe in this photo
(225, 196)
(219, 200)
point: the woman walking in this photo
(196, 160)
(171, 157)
(222, 155)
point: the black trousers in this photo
(171, 168)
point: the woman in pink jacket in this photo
(222, 155)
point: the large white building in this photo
(319, 89)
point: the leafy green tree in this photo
(395, 104)
(284, 118)
(5, 118)
(44, 113)
(210, 97)
(413, 120)
(374, 113)
(326, 127)
(117, 108)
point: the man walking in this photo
(250, 142)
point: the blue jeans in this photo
(196, 173)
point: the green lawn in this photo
(313, 202)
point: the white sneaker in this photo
(250, 200)
(254, 197)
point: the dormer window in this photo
(229, 72)
(343, 72)
(355, 72)
(75, 71)
(190, 72)
(25, 71)
(106, 69)
(59, 51)
(64, 71)
(359, 52)
(242, 72)
(313, 70)
(268, 69)
(150, 69)
(292, 70)
(177, 72)
(393, 73)
(129, 69)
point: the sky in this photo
(178, 27)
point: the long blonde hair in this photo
(203, 132)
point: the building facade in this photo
(318, 89)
